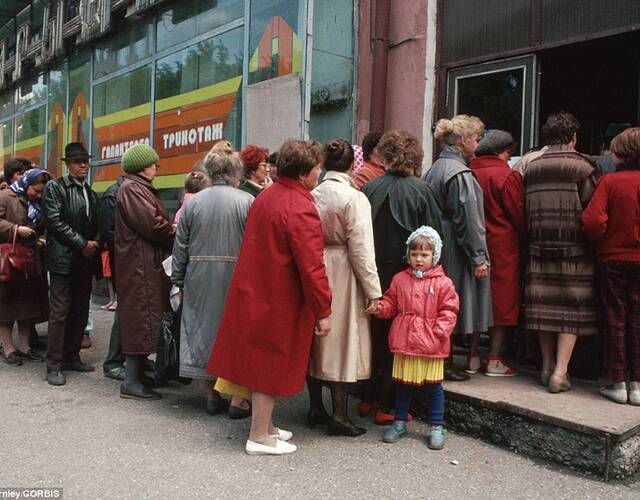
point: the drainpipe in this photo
(380, 42)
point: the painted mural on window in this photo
(6, 141)
(56, 122)
(275, 48)
(30, 129)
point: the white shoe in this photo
(616, 392)
(281, 448)
(282, 435)
(634, 393)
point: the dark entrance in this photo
(598, 81)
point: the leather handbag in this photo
(18, 263)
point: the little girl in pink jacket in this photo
(424, 305)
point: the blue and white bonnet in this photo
(430, 234)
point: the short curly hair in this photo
(560, 128)
(252, 156)
(401, 152)
(297, 158)
(370, 142)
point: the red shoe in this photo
(382, 418)
(365, 408)
(86, 342)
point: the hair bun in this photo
(335, 149)
(444, 127)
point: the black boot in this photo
(451, 373)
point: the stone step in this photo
(579, 428)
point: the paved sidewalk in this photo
(84, 438)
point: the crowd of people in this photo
(335, 264)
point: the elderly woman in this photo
(560, 293)
(26, 301)
(465, 256)
(344, 356)
(279, 291)
(205, 252)
(143, 239)
(400, 203)
(614, 227)
(504, 220)
(256, 169)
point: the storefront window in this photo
(30, 135)
(125, 47)
(274, 45)
(197, 102)
(79, 90)
(6, 103)
(6, 141)
(56, 119)
(194, 17)
(31, 92)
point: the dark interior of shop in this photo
(598, 81)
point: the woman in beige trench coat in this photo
(344, 356)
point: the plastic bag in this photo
(168, 356)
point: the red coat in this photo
(425, 311)
(612, 217)
(278, 291)
(504, 221)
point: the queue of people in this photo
(370, 275)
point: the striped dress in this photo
(560, 293)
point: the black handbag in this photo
(168, 355)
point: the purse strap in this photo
(15, 236)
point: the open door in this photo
(501, 93)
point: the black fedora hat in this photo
(75, 151)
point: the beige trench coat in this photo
(349, 256)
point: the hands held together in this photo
(373, 307)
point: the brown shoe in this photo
(86, 342)
(13, 358)
(31, 355)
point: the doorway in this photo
(597, 81)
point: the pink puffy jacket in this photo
(425, 311)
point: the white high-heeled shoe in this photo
(281, 448)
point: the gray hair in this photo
(224, 167)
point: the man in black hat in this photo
(70, 207)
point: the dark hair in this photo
(273, 158)
(15, 166)
(297, 158)
(421, 242)
(369, 143)
(252, 156)
(560, 128)
(196, 181)
(626, 145)
(338, 155)
(401, 152)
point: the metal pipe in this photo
(380, 43)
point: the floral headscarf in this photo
(34, 211)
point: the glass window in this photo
(274, 44)
(121, 108)
(6, 103)
(127, 46)
(198, 101)
(30, 134)
(32, 91)
(79, 90)
(56, 119)
(181, 22)
(6, 141)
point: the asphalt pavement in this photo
(84, 438)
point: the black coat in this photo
(68, 227)
(107, 221)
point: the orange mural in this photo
(56, 140)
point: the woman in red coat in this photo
(279, 292)
(504, 221)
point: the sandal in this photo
(30, 355)
(13, 358)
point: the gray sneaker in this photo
(116, 373)
(395, 432)
(436, 437)
(56, 377)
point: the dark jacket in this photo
(250, 187)
(107, 221)
(143, 239)
(68, 227)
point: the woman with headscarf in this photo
(25, 302)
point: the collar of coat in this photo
(141, 180)
(488, 161)
(69, 181)
(296, 186)
(332, 175)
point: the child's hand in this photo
(373, 307)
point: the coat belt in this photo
(213, 258)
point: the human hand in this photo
(481, 271)
(25, 232)
(323, 327)
(373, 307)
(268, 182)
(90, 248)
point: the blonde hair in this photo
(452, 131)
(626, 145)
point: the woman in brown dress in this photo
(560, 299)
(24, 302)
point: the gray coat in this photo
(464, 244)
(206, 248)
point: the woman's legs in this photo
(566, 343)
(547, 348)
(340, 397)
(314, 386)
(6, 336)
(24, 332)
(261, 419)
(497, 335)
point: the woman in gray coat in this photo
(465, 257)
(206, 248)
